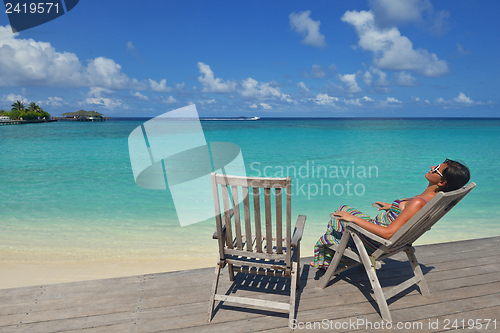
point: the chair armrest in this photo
(299, 230)
(215, 235)
(365, 232)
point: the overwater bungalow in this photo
(83, 115)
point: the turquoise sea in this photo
(67, 190)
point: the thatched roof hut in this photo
(83, 113)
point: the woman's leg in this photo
(322, 254)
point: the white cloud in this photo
(382, 77)
(212, 84)
(392, 100)
(389, 13)
(130, 46)
(460, 101)
(405, 79)
(302, 86)
(463, 99)
(96, 98)
(359, 101)
(247, 88)
(391, 50)
(266, 106)
(54, 101)
(368, 78)
(159, 87)
(208, 101)
(169, 100)
(26, 62)
(308, 28)
(251, 88)
(350, 82)
(103, 72)
(140, 96)
(11, 98)
(393, 12)
(461, 52)
(318, 72)
(324, 99)
(253, 106)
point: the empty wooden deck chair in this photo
(249, 247)
(402, 240)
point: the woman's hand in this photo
(382, 205)
(341, 215)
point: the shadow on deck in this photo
(463, 277)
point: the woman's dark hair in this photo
(456, 175)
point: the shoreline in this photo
(15, 274)
(24, 273)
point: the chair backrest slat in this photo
(288, 219)
(246, 216)
(256, 210)
(227, 217)
(218, 221)
(269, 222)
(276, 243)
(279, 218)
(426, 217)
(236, 211)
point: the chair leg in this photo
(231, 272)
(372, 276)
(293, 291)
(335, 261)
(417, 271)
(298, 266)
(214, 291)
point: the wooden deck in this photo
(464, 278)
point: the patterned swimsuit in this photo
(323, 255)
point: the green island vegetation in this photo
(20, 111)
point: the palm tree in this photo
(33, 107)
(18, 105)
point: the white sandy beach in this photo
(15, 274)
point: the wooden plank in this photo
(237, 224)
(253, 301)
(227, 217)
(246, 214)
(257, 264)
(269, 222)
(464, 282)
(256, 211)
(253, 254)
(250, 181)
(288, 219)
(218, 217)
(279, 221)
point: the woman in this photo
(447, 176)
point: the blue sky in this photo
(375, 58)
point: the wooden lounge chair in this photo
(402, 240)
(265, 252)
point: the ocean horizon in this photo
(68, 191)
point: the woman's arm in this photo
(386, 232)
(382, 205)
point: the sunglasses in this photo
(436, 169)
